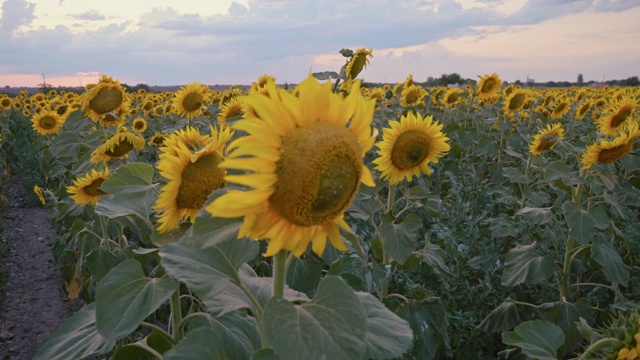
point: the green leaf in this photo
(614, 268)
(208, 271)
(129, 179)
(325, 75)
(523, 265)
(332, 326)
(556, 170)
(264, 354)
(125, 297)
(100, 261)
(388, 335)
(398, 239)
(536, 216)
(515, 176)
(77, 338)
(304, 274)
(582, 225)
(208, 231)
(537, 339)
(502, 318)
(203, 343)
(238, 331)
(565, 315)
(428, 320)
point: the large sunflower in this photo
(117, 146)
(546, 139)
(303, 158)
(609, 151)
(193, 173)
(409, 146)
(104, 97)
(190, 99)
(358, 61)
(515, 100)
(488, 86)
(616, 115)
(86, 189)
(47, 123)
(413, 95)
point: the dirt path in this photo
(34, 303)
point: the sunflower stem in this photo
(279, 273)
(105, 234)
(176, 315)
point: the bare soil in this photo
(34, 303)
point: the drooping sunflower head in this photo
(86, 189)
(562, 107)
(409, 146)
(263, 80)
(139, 125)
(38, 191)
(358, 61)
(114, 119)
(452, 97)
(546, 139)
(106, 96)
(609, 151)
(583, 109)
(515, 100)
(413, 95)
(47, 122)
(117, 146)
(488, 86)
(230, 109)
(616, 115)
(193, 175)
(302, 160)
(190, 99)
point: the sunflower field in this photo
(337, 220)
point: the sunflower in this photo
(112, 119)
(377, 93)
(118, 146)
(304, 162)
(189, 137)
(452, 97)
(230, 109)
(47, 123)
(562, 107)
(609, 151)
(413, 95)
(409, 146)
(193, 175)
(190, 99)
(38, 191)
(488, 86)
(583, 109)
(358, 61)
(86, 189)
(546, 139)
(616, 115)
(139, 125)
(263, 80)
(106, 96)
(157, 139)
(515, 100)
(5, 103)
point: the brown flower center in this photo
(608, 156)
(410, 149)
(48, 122)
(192, 102)
(199, 179)
(107, 99)
(93, 189)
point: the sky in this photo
(164, 42)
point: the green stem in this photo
(279, 273)
(176, 315)
(254, 301)
(566, 268)
(595, 346)
(159, 330)
(593, 284)
(105, 234)
(186, 319)
(391, 199)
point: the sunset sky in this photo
(163, 42)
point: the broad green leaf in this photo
(332, 326)
(428, 320)
(353, 269)
(398, 239)
(606, 177)
(77, 338)
(556, 170)
(304, 274)
(202, 343)
(388, 335)
(537, 339)
(565, 315)
(208, 230)
(536, 216)
(582, 225)
(100, 261)
(124, 205)
(238, 331)
(502, 318)
(264, 354)
(129, 179)
(523, 265)
(516, 176)
(125, 297)
(208, 271)
(431, 256)
(614, 268)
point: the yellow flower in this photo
(358, 61)
(157, 139)
(452, 97)
(86, 189)
(413, 95)
(193, 172)
(106, 96)
(609, 151)
(562, 107)
(515, 100)
(408, 146)
(117, 146)
(230, 109)
(488, 86)
(38, 191)
(139, 125)
(583, 109)
(546, 139)
(617, 114)
(190, 99)
(303, 164)
(47, 123)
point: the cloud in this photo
(14, 14)
(91, 15)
